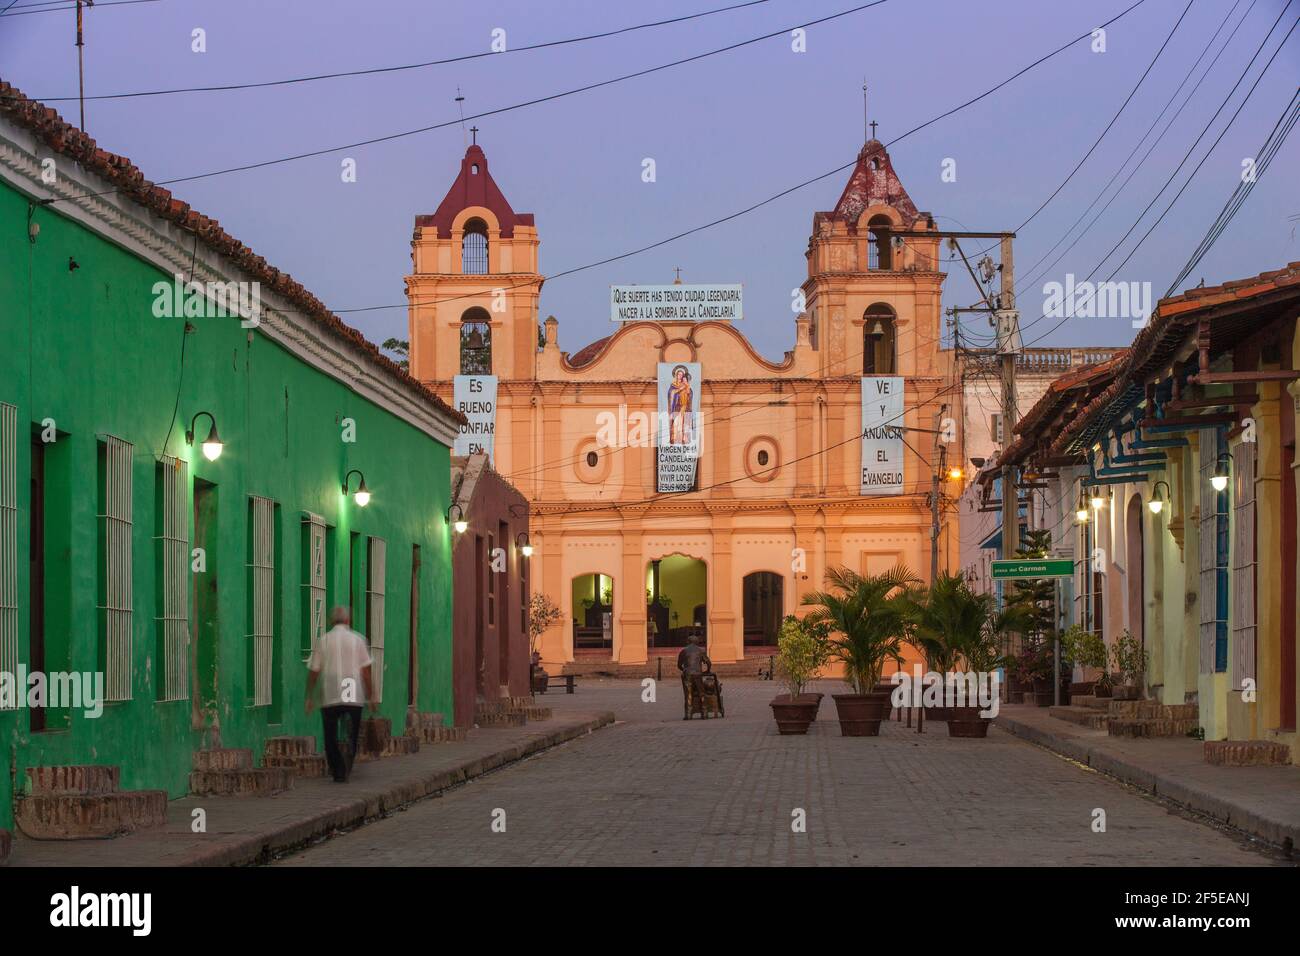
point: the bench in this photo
(568, 679)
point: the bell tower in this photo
(472, 295)
(873, 296)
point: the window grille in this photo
(9, 542)
(474, 248)
(313, 527)
(262, 597)
(117, 590)
(375, 613)
(174, 589)
(1244, 567)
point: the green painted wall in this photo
(82, 347)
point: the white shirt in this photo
(339, 658)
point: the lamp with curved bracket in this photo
(363, 493)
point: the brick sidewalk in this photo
(1262, 801)
(251, 829)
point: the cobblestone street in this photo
(656, 790)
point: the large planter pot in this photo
(1043, 695)
(1101, 690)
(967, 722)
(794, 714)
(1125, 692)
(860, 714)
(540, 680)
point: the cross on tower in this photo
(678, 270)
(474, 131)
(873, 125)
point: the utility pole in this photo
(1009, 347)
(935, 479)
(81, 82)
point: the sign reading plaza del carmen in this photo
(882, 435)
(679, 425)
(475, 397)
(675, 303)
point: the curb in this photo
(262, 846)
(1281, 833)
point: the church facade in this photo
(779, 481)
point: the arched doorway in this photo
(592, 616)
(1133, 569)
(676, 602)
(763, 600)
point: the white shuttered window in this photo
(174, 589)
(262, 596)
(117, 591)
(375, 613)
(9, 542)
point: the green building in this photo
(195, 587)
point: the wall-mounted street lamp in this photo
(1157, 504)
(458, 522)
(521, 540)
(363, 493)
(954, 474)
(212, 445)
(1222, 470)
(1098, 501)
(1081, 515)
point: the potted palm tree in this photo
(867, 615)
(802, 649)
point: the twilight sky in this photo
(725, 132)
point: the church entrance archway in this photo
(677, 603)
(592, 616)
(763, 597)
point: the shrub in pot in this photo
(1131, 661)
(972, 629)
(868, 618)
(802, 649)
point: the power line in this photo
(12, 11)
(1180, 165)
(409, 66)
(1128, 99)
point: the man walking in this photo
(341, 663)
(692, 662)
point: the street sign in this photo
(1032, 568)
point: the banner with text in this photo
(882, 436)
(475, 397)
(678, 426)
(675, 303)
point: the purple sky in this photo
(725, 132)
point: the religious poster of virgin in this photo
(678, 425)
(475, 397)
(882, 435)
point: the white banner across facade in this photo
(475, 397)
(675, 303)
(678, 426)
(882, 436)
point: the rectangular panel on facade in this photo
(675, 303)
(475, 396)
(678, 426)
(882, 435)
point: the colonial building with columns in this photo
(782, 484)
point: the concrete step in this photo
(90, 816)
(1247, 753)
(222, 758)
(1150, 727)
(536, 713)
(375, 734)
(262, 782)
(1083, 716)
(290, 747)
(749, 667)
(74, 780)
(1095, 703)
(394, 747)
(442, 735)
(1152, 710)
(499, 719)
(300, 765)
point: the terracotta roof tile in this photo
(51, 129)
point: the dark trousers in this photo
(341, 763)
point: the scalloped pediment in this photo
(634, 351)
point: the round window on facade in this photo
(762, 458)
(592, 459)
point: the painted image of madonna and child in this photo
(678, 399)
